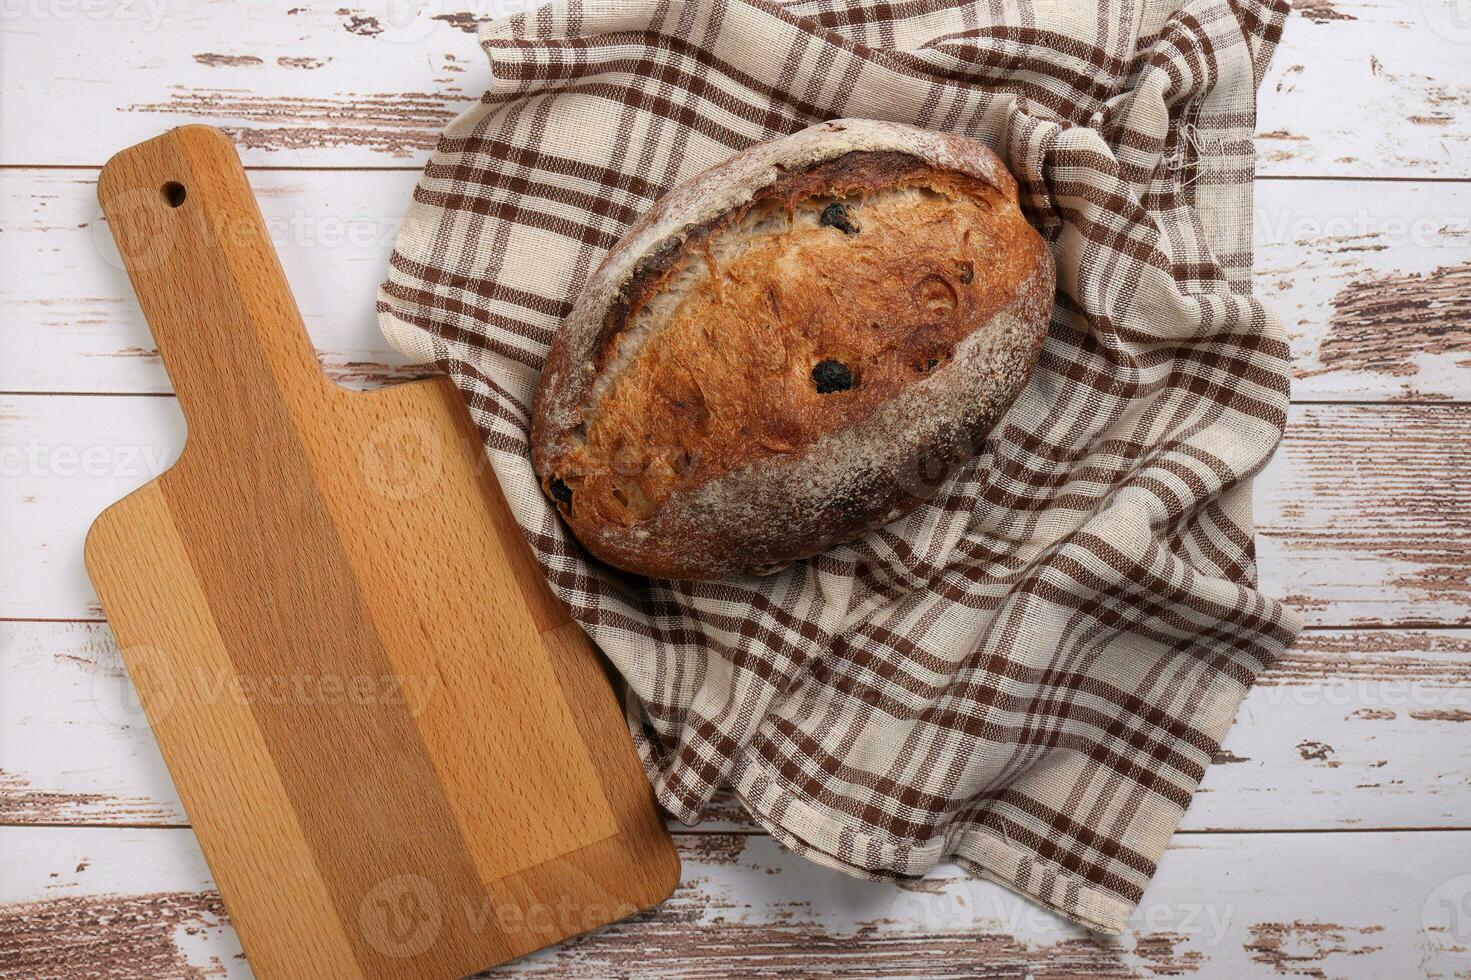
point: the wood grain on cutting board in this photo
(401, 756)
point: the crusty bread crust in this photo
(752, 375)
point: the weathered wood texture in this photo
(1352, 729)
(1364, 515)
(294, 84)
(1365, 88)
(314, 84)
(1232, 905)
(1365, 512)
(1374, 286)
(1373, 282)
(73, 324)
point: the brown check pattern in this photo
(1029, 673)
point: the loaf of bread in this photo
(791, 349)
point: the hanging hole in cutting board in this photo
(174, 193)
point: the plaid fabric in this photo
(1029, 673)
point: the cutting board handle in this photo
(181, 211)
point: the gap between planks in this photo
(1349, 402)
(1422, 626)
(681, 831)
(267, 168)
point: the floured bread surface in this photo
(797, 368)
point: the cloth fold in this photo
(1030, 672)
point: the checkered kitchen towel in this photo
(1029, 673)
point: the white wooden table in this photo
(1333, 837)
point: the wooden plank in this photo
(1373, 282)
(1364, 515)
(136, 904)
(295, 83)
(63, 459)
(1358, 88)
(75, 745)
(112, 903)
(1375, 288)
(72, 322)
(1350, 729)
(1353, 729)
(1365, 512)
(1368, 89)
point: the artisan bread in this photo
(791, 349)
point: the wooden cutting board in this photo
(401, 756)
